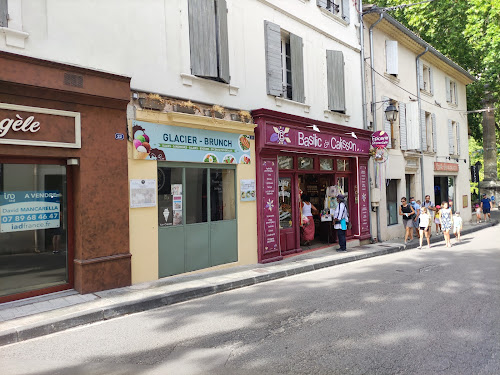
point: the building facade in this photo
(427, 152)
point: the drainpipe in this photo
(420, 118)
(374, 114)
(363, 71)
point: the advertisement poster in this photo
(29, 210)
(142, 193)
(177, 202)
(247, 189)
(165, 210)
(175, 143)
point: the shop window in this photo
(196, 195)
(342, 165)
(222, 195)
(326, 164)
(285, 202)
(391, 192)
(169, 191)
(285, 162)
(306, 163)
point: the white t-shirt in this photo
(424, 220)
(340, 213)
(457, 221)
(306, 209)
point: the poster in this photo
(247, 190)
(177, 202)
(29, 210)
(165, 210)
(142, 193)
(176, 189)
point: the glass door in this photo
(342, 182)
(287, 207)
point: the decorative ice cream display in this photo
(141, 145)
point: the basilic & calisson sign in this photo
(34, 126)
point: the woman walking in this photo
(407, 212)
(446, 218)
(425, 227)
(307, 230)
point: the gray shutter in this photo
(423, 130)
(297, 62)
(202, 38)
(421, 74)
(402, 126)
(387, 124)
(4, 22)
(455, 87)
(346, 11)
(448, 93)
(458, 138)
(335, 80)
(321, 3)
(391, 52)
(274, 78)
(223, 45)
(434, 132)
(451, 139)
(431, 80)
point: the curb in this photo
(30, 331)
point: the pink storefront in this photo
(300, 156)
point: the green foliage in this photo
(468, 32)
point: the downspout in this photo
(363, 71)
(374, 114)
(420, 122)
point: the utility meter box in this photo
(375, 196)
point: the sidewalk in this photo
(39, 316)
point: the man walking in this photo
(341, 218)
(430, 208)
(486, 207)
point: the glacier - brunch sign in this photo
(29, 210)
(175, 143)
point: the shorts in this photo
(486, 210)
(456, 229)
(408, 223)
(425, 229)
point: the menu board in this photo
(269, 204)
(363, 193)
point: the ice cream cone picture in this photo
(142, 147)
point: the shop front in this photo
(299, 157)
(445, 176)
(62, 180)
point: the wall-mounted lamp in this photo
(391, 113)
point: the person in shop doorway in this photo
(307, 230)
(431, 209)
(407, 212)
(341, 218)
(486, 207)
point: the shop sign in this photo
(247, 189)
(33, 126)
(445, 167)
(174, 143)
(304, 139)
(269, 204)
(29, 210)
(380, 139)
(364, 204)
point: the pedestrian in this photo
(341, 218)
(416, 207)
(486, 206)
(457, 225)
(425, 227)
(478, 213)
(446, 218)
(437, 219)
(407, 212)
(430, 209)
(307, 230)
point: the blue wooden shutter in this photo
(434, 133)
(297, 62)
(223, 40)
(274, 78)
(402, 126)
(451, 139)
(387, 124)
(391, 54)
(335, 80)
(202, 38)
(346, 11)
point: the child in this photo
(424, 227)
(457, 225)
(437, 219)
(478, 214)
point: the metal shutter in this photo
(297, 62)
(434, 132)
(223, 45)
(402, 126)
(274, 78)
(335, 80)
(387, 124)
(391, 52)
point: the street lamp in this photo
(391, 113)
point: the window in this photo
(333, 6)
(284, 63)
(326, 164)
(391, 55)
(391, 193)
(285, 202)
(454, 137)
(4, 19)
(222, 194)
(451, 91)
(285, 162)
(335, 81)
(426, 81)
(343, 165)
(306, 163)
(336, 7)
(208, 39)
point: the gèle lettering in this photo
(19, 124)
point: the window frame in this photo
(389, 223)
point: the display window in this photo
(35, 231)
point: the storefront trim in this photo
(84, 262)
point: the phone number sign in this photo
(29, 210)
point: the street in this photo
(430, 311)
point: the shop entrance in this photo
(444, 190)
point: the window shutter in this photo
(434, 133)
(297, 61)
(391, 51)
(458, 139)
(222, 46)
(431, 80)
(387, 124)
(202, 38)
(423, 130)
(273, 59)
(455, 89)
(4, 22)
(402, 126)
(451, 140)
(321, 3)
(346, 11)
(335, 80)
(421, 74)
(448, 92)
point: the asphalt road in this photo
(433, 311)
